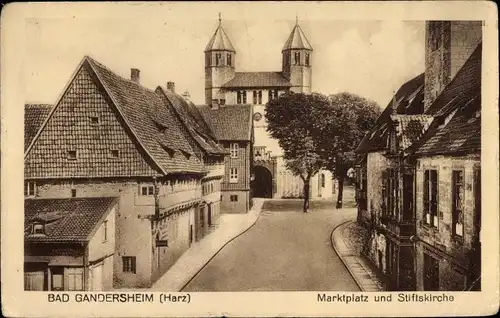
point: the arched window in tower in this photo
(296, 58)
(207, 59)
(218, 58)
(259, 96)
(229, 62)
(254, 97)
(307, 59)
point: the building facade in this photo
(108, 136)
(233, 127)
(69, 244)
(428, 172)
(225, 86)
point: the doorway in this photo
(263, 183)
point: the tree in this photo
(342, 126)
(292, 121)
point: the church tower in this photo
(219, 65)
(297, 61)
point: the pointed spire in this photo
(220, 41)
(297, 39)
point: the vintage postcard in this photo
(195, 159)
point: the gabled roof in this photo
(467, 79)
(34, 116)
(66, 220)
(297, 40)
(458, 134)
(230, 122)
(456, 128)
(409, 101)
(257, 79)
(219, 41)
(152, 124)
(194, 122)
(409, 128)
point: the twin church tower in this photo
(223, 85)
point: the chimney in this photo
(171, 86)
(134, 75)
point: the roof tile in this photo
(229, 122)
(34, 116)
(257, 79)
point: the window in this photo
(128, 264)
(94, 120)
(257, 97)
(390, 192)
(75, 278)
(72, 155)
(29, 189)
(307, 59)
(105, 231)
(73, 193)
(431, 273)
(218, 58)
(272, 94)
(430, 197)
(322, 180)
(207, 59)
(233, 175)
(296, 59)
(241, 97)
(146, 190)
(234, 148)
(57, 278)
(457, 216)
(202, 217)
(233, 198)
(222, 101)
(229, 61)
(38, 228)
(114, 153)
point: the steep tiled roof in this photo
(297, 40)
(194, 122)
(151, 127)
(460, 133)
(409, 101)
(456, 128)
(34, 116)
(230, 122)
(66, 220)
(219, 41)
(409, 128)
(467, 79)
(257, 79)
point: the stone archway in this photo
(263, 182)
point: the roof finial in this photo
(220, 19)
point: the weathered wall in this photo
(439, 240)
(448, 45)
(240, 206)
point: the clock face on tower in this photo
(257, 116)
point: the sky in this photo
(371, 58)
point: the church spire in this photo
(220, 41)
(297, 39)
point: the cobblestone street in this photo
(285, 250)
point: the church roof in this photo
(297, 40)
(220, 41)
(257, 79)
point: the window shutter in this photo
(433, 177)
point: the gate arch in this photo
(263, 182)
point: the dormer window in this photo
(94, 120)
(72, 155)
(114, 153)
(38, 228)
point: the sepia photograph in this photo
(226, 152)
